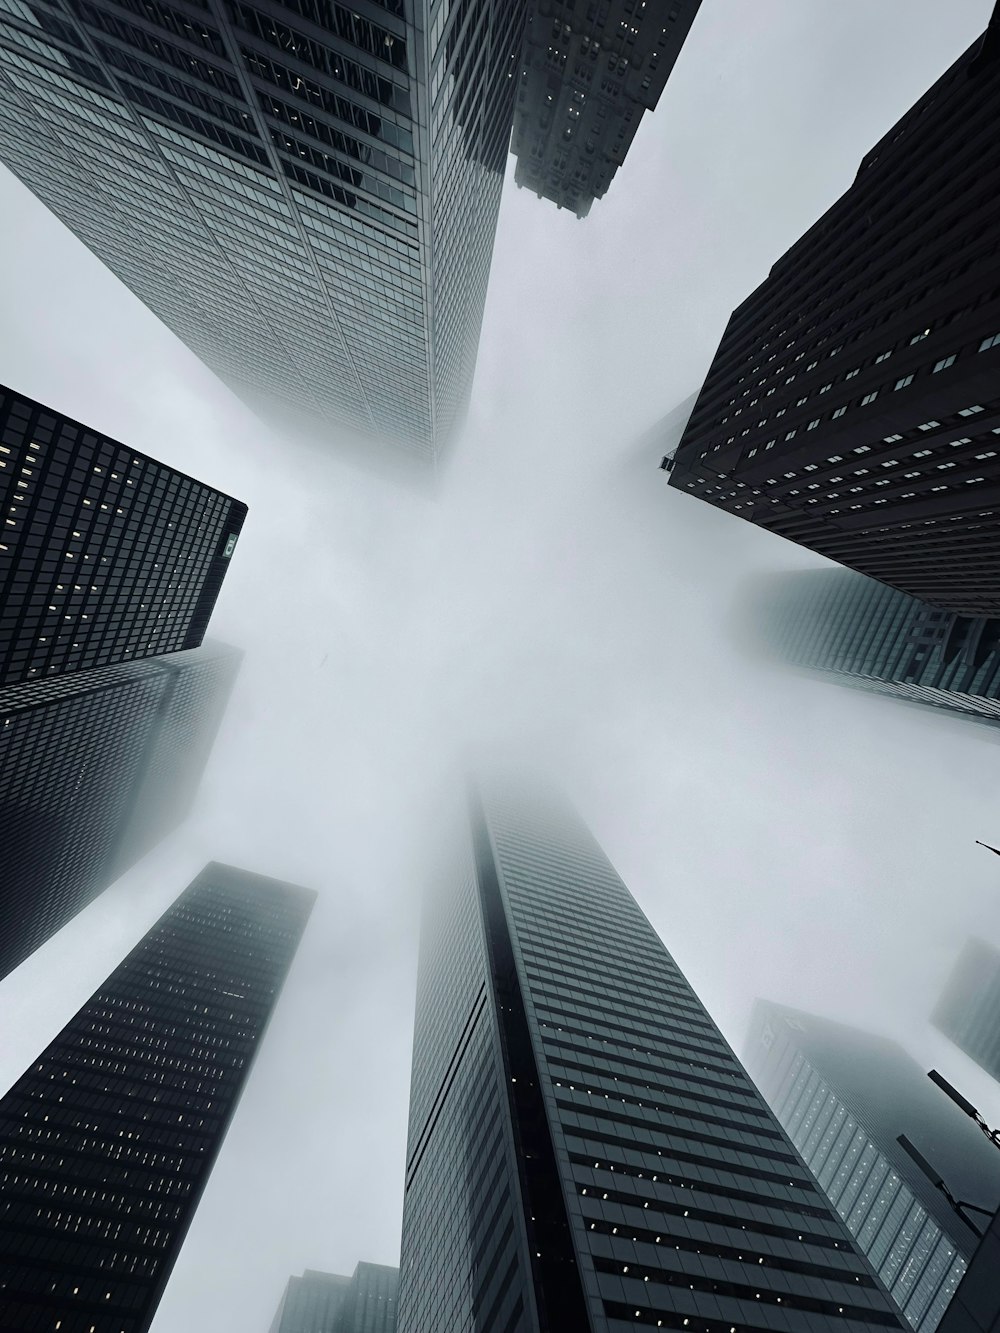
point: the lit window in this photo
(869, 397)
(928, 425)
(987, 343)
(970, 411)
(943, 364)
(838, 413)
(902, 383)
(883, 356)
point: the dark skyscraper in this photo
(851, 629)
(587, 76)
(969, 1010)
(106, 556)
(585, 1151)
(307, 195)
(108, 1140)
(327, 1303)
(975, 1307)
(95, 767)
(844, 1097)
(853, 404)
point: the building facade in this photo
(975, 1307)
(108, 1140)
(107, 556)
(588, 73)
(969, 1010)
(306, 194)
(844, 1097)
(328, 1303)
(857, 632)
(852, 405)
(585, 1152)
(95, 767)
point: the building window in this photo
(870, 397)
(838, 413)
(883, 356)
(944, 363)
(971, 411)
(987, 343)
(902, 383)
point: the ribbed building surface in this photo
(585, 1151)
(328, 1303)
(305, 193)
(844, 1097)
(852, 630)
(106, 555)
(969, 1010)
(852, 405)
(108, 1140)
(95, 767)
(588, 73)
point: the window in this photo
(838, 413)
(870, 397)
(826, 388)
(944, 363)
(918, 337)
(883, 356)
(902, 383)
(987, 343)
(928, 425)
(891, 439)
(851, 373)
(971, 411)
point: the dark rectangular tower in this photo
(95, 767)
(844, 1097)
(328, 1303)
(857, 632)
(585, 1152)
(306, 194)
(106, 556)
(853, 404)
(969, 1010)
(108, 1140)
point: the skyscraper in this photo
(857, 632)
(975, 1307)
(969, 1010)
(107, 556)
(844, 1097)
(327, 1303)
(95, 767)
(585, 1152)
(108, 1140)
(852, 405)
(587, 76)
(306, 195)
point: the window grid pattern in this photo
(327, 1303)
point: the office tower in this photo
(306, 195)
(107, 556)
(975, 1307)
(857, 632)
(327, 1303)
(852, 405)
(844, 1097)
(585, 1152)
(96, 766)
(969, 1010)
(586, 79)
(108, 1140)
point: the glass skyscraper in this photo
(305, 193)
(585, 1152)
(328, 1303)
(105, 555)
(844, 1096)
(108, 1140)
(95, 767)
(969, 1010)
(864, 634)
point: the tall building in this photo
(587, 76)
(107, 556)
(969, 1010)
(305, 194)
(585, 1152)
(96, 766)
(864, 634)
(852, 406)
(108, 1140)
(844, 1097)
(327, 1303)
(975, 1307)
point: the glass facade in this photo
(95, 767)
(844, 1097)
(852, 405)
(585, 1150)
(317, 184)
(107, 556)
(327, 1303)
(969, 1010)
(869, 636)
(108, 1140)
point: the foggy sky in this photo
(554, 599)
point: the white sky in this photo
(787, 838)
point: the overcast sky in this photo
(787, 838)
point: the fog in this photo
(550, 599)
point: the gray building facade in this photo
(975, 1307)
(844, 1096)
(585, 1152)
(969, 1009)
(306, 194)
(328, 1303)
